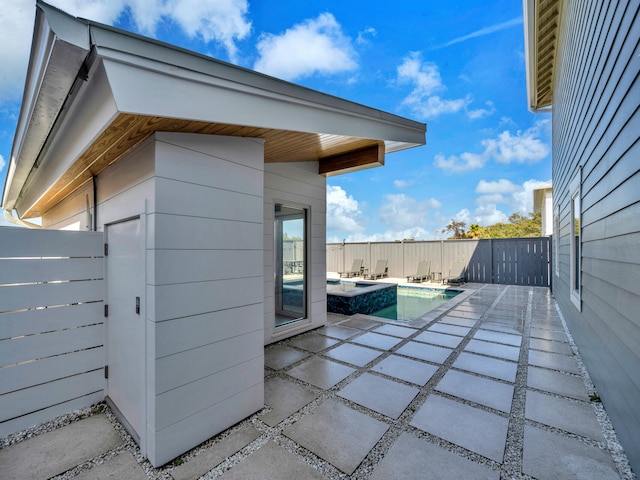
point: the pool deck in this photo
(490, 386)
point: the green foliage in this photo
(518, 226)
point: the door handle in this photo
(138, 305)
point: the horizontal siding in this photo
(205, 281)
(596, 132)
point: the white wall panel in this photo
(300, 185)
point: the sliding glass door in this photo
(290, 251)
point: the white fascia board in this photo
(93, 110)
(529, 13)
(196, 87)
(59, 47)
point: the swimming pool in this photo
(414, 302)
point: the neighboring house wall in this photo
(596, 125)
(297, 184)
(201, 197)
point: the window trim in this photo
(575, 262)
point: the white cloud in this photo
(465, 162)
(343, 211)
(3, 162)
(426, 81)
(400, 184)
(401, 211)
(501, 186)
(313, 46)
(363, 36)
(221, 21)
(521, 147)
(416, 233)
(482, 112)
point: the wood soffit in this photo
(335, 153)
(547, 15)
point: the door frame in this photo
(140, 437)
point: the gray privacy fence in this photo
(509, 261)
(51, 324)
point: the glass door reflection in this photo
(290, 264)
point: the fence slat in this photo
(24, 242)
(29, 322)
(46, 270)
(35, 398)
(40, 416)
(49, 369)
(512, 261)
(49, 294)
(23, 349)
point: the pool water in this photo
(415, 302)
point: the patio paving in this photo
(491, 387)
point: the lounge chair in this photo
(423, 272)
(456, 274)
(380, 270)
(356, 270)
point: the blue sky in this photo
(456, 66)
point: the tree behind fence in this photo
(509, 261)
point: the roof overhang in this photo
(94, 92)
(541, 31)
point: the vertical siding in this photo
(596, 125)
(298, 184)
(205, 288)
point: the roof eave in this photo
(533, 11)
(59, 47)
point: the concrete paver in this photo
(376, 340)
(313, 343)
(474, 429)
(405, 369)
(55, 452)
(339, 434)
(491, 367)
(556, 361)
(123, 465)
(476, 389)
(442, 339)
(568, 415)
(353, 354)
(557, 382)
(379, 394)
(320, 372)
(395, 331)
(284, 398)
(422, 351)
(269, 462)
(433, 463)
(548, 455)
(281, 356)
(493, 349)
(215, 454)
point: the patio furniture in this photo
(380, 271)
(356, 269)
(424, 269)
(456, 274)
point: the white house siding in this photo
(596, 125)
(202, 200)
(297, 184)
(205, 288)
